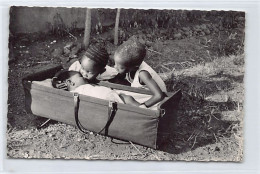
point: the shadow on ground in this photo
(199, 121)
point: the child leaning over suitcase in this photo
(73, 81)
(93, 64)
(129, 61)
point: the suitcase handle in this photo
(112, 108)
(76, 112)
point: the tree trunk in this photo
(116, 27)
(87, 28)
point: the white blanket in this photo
(103, 92)
(100, 92)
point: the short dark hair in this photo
(62, 76)
(98, 54)
(132, 51)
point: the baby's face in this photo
(89, 68)
(75, 81)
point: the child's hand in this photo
(62, 86)
(58, 84)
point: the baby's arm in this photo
(146, 78)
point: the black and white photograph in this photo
(126, 84)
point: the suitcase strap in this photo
(112, 108)
(76, 113)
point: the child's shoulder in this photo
(145, 66)
(75, 66)
(109, 73)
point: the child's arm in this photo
(146, 78)
(129, 100)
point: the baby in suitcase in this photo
(73, 81)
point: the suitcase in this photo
(138, 125)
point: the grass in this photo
(211, 110)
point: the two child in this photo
(128, 63)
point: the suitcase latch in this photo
(76, 96)
(162, 112)
(112, 105)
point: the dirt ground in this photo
(210, 115)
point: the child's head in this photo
(93, 62)
(68, 80)
(129, 56)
